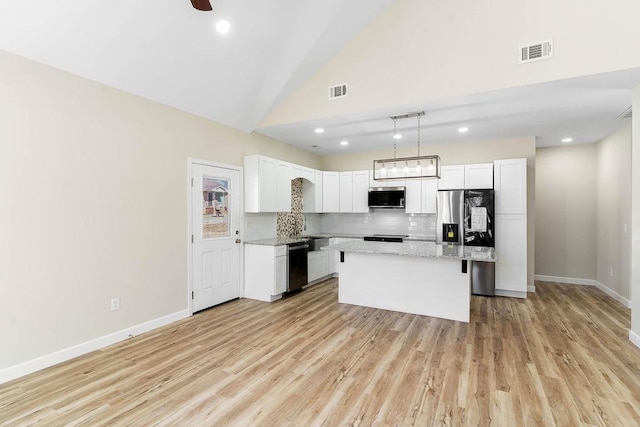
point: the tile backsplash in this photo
(381, 221)
(289, 224)
(377, 221)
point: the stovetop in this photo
(385, 238)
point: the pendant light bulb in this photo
(383, 170)
(430, 167)
(395, 169)
(406, 167)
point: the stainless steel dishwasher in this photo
(297, 266)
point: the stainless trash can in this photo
(483, 278)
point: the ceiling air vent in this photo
(626, 114)
(339, 91)
(536, 51)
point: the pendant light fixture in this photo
(418, 167)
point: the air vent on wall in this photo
(338, 91)
(626, 114)
(536, 51)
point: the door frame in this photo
(240, 170)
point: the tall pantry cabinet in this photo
(510, 185)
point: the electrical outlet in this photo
(611, 271)
(115, 304)
(625, 230)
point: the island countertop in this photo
(418, 249)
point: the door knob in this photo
(238, 240)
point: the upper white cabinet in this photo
(361, 191)
(283, 186)
(259, 184)
(346, 191)
(460, 177)
(421, 195)
(390, 183)
(451, 177)
(478, 176)
(330, 191)
(511, 186)
(312, 194)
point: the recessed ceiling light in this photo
(223, 26)
(567, 140)
(344, 143)
(319, 130)
(463, 130)
(397, 136)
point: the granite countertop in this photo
(418, 249)
(285, 241)
(277, 241)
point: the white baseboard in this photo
(510, 294)
(634, 338)
(587, 282)
(613, 294)
(531, 288)
(568, 280)
(25, 368)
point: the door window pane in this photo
(215, 207)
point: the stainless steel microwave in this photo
(386, 197)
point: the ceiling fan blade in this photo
(201, 4)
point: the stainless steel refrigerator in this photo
(466, 217)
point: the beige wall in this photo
(566, 200)
(614, 211)
(94, 205)
(419, 51)
(635, 218)
(462, 153)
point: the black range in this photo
(385, 238)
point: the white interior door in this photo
(216, 192)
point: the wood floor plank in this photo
(560, 357)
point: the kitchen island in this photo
(411, 277)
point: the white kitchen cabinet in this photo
(478, 176)
(413, 196)
(334, 256)
(361, 191)
(259, 184)
(309, 174)
(346, 192)
(459, 177)
(283, 186)
(318, 264)
(451, 177)
(295, 172)
(511, 186)
(511, 253)
(429, 195)
(330, 191)
(421, 196)
(265, 271)
(312, 194)
(390, 183)
(298, 171)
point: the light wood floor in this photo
(560, 357)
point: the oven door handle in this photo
(298, 247)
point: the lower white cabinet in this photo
(334, 256)
(511, 252)
(265, 271)
(318, 264)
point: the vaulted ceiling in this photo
(167, 51)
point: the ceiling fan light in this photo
(223, 26)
